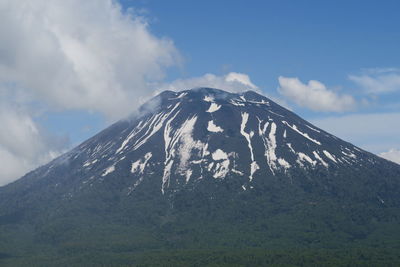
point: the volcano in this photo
(201, 170)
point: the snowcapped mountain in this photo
(196, 166)
(185, 137)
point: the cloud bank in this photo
(314, 95)
(81, 55)
(23, 145)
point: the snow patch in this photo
(304, 157)
(182, 94)
(318, 131)
(330, 156)
(294, 127)
(210, 166)
(253, 166)
(219, 155)
(351, 155)
(270, 146)
(318, 157)
(214, 128)
(238, 104)
(208, 98)
(153, 128)
(284, 163)
(188, 175)
(213, 107)
(180, 142)
(262, 102)
(140, 165)
(89, 163)
(222, 167)
(153, 125)
(108, 170)
(291, 148)
(169, 152)
(237, 172)
(132, 134)
(187, 142)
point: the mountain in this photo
(196, 170)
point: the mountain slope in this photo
(204, 168)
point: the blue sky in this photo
(76, 67)
(324, 40)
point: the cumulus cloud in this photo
(23, 145)
(378, 81)
(314, 95)
(84, 55)
(81, 54)
(392, 155)
(232, 82)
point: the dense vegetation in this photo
(75, 212)
(219, 257)
(278, 223)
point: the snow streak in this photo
(253, 166)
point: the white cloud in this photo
(83, 55)
(232, 82)
(375, 132)
(80, 54)
(314, 95)
(392, 155)
(378, 81)
(23, 145)
(241, 78)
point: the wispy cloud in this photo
(378, 80)
(232, 82)
(314, 95)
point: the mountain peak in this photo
(211, 92)
(196, 160)
(189, 136)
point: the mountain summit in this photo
(185, 137)
(191, 162)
